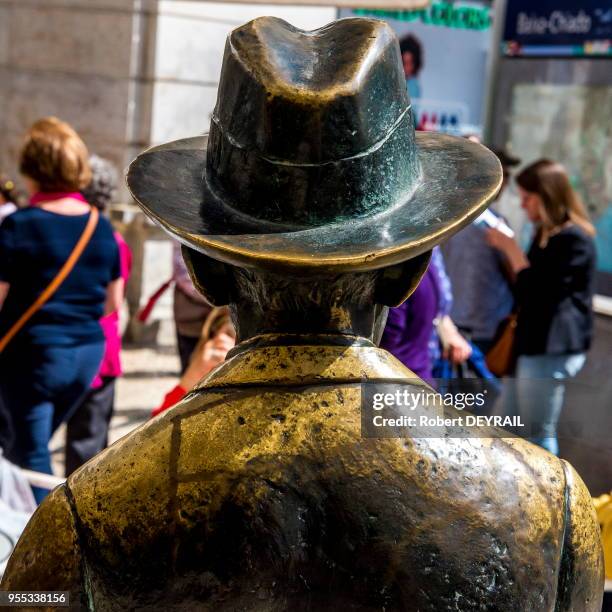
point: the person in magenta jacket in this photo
(87, 429)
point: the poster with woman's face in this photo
(444, 54)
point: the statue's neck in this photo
(252, 321)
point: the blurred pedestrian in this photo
(410, 333)
(554, 291)
(482, 287)
(59, 273)
(216, 339)
(190, 309)
(446, 342)
(87, 428)
(411, 50)
(8, 197)
(409, 328)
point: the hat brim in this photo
(459, 179)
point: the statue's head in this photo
(312, 189)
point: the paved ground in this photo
(148, 375)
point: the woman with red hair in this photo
(51, 342)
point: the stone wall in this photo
(189, 49)
(82, 61)
(125, 73)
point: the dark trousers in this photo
(40, 387)
(87, 428)
(186, 346)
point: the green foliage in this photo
(443, 14)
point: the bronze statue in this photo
(310, 208)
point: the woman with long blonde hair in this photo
(554, 290)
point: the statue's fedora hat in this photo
(312, 160)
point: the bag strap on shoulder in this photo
(54, 285)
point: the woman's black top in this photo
(34, 245)
(554, 295)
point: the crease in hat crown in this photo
(259, 28)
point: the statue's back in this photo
(258, 498)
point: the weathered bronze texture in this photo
(258, 492)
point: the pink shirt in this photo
(111, 362)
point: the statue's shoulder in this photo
(507, 478)
(526, 507)
(48, 556)
(125, 497)
(581, 573)
(116, 509)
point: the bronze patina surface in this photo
(258, 491)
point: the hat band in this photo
(287, 162)
(307, 195)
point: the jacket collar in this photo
(295, 360)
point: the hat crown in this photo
(310, 96)
(312, 127)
